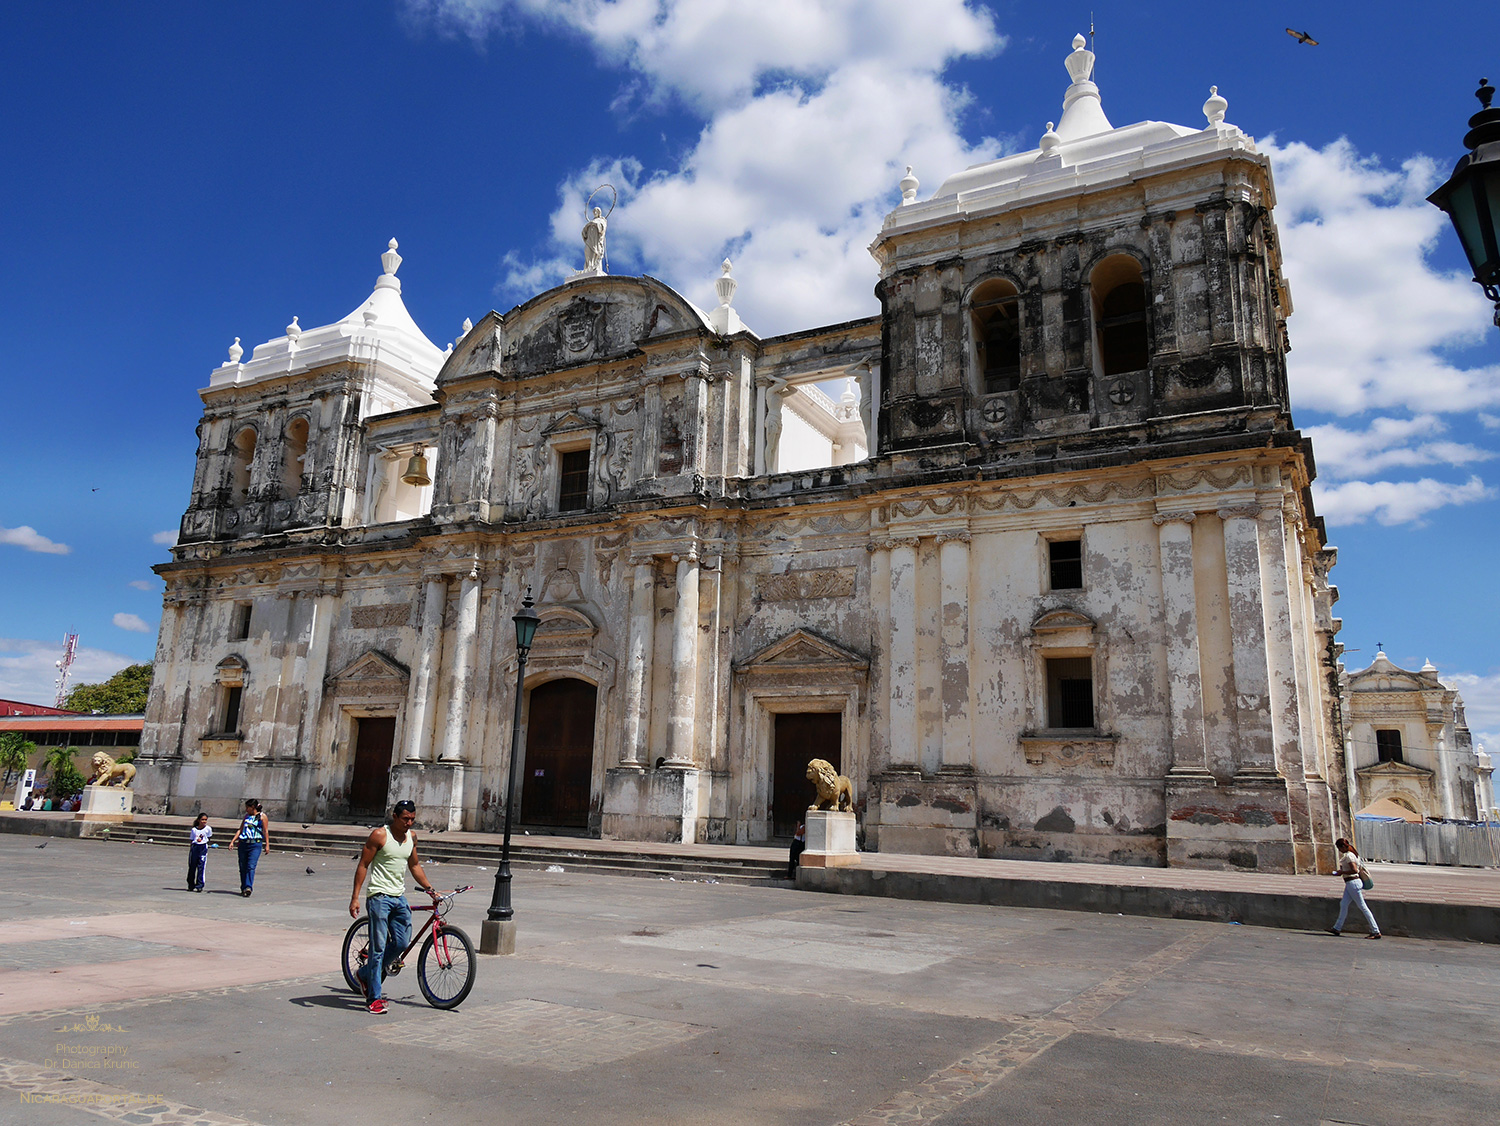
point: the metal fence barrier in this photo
(1401, 842)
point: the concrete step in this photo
(527, 853)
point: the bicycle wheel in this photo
(446, 968)
(356, 952)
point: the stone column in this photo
(429, 653)
(638, 665)
(651, 427)
(903, 654)
(757, 427)
(953, 570)
(695, 421)
(1180, 611)
(1247, 632)
(683, 702)
(461, 674)
(325, 605)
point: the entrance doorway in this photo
(559, 761)
(374, 736)
(800, 736)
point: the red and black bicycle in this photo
(445, 967)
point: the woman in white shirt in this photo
(1353, 874)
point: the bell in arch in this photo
(415, 472)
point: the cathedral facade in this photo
(1058, 590)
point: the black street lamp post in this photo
(1471, 197)
(497, 935)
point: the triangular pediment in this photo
(1055, 620)
(803, 649)
(571, 421)
(371, 665)
(1393, 770)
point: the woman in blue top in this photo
(253, 838)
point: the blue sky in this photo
(179, 174)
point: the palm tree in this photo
(15, 752)
(59, 759)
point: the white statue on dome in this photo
(593, 243)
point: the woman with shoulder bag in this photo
(253, 838)
(1356, 879)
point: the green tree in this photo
(15, 752)
(63, 777)
(122, 694)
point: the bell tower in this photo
(1097, 290)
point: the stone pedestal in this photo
(1240, 825)
(497, 937)
(106, 803)
(650, 805)
(437, 788)
(830, 840)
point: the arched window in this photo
(295, 458)
(1119, 293)
(995, 325)
(242, 454)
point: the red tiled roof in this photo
(72, 722)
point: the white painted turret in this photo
(1083, 113)
(379, 333)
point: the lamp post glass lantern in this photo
(1471, 196)
(526, 620)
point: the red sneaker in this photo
(376, 1006)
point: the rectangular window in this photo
(574, 474)
(1388, 746)
(1070, 692)
(239, 627)
(1066, 564)
(231, 722)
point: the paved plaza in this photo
(127, 999)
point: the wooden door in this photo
(374, 736)
(800, 736)
(559, 765)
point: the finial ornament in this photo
(293, 331)
(235, 351)
(909, 186)
(725, 285)
(1080, 63)
(371, 316)
(1214, 108)
(1485, 92)
(1050, 139)
(390, 260)
(467, 327)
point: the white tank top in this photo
(388, 869)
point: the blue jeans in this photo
(1354, 893)
(390, 931)
(197, 865)
(249, 858)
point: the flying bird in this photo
(1302, 37)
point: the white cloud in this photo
(131, 622)
(28, 670)
(1394, 502)
(168, 538)
(1373, 318)
(716, 53)
(1388, 443)
(811, 110)
(144, 584)
(28, 537)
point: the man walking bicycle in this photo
(389, 851)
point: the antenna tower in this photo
(64, 667)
